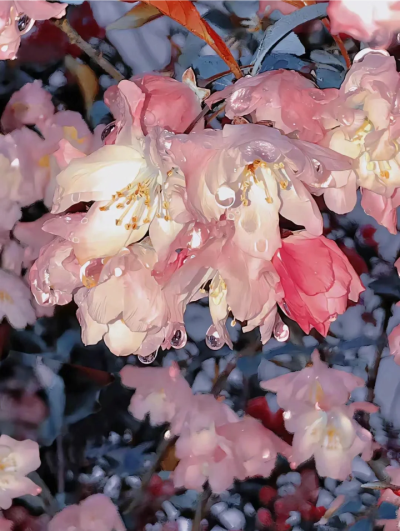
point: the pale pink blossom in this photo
(284, 98)
(17, 459)
(209, 252)
(251, 173)
(31, 105)
(374, 21)
(13, 26)
(32, 237)
(168, 103)
(332, 437)
(161, 393)
(6, 525)
(12, 257)
(394, 343)
(317, 386)
(56, 274)
(317, 280)
(95, 513)
(203, 453)
(15, 301)
(382, 208)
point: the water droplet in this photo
(213, 341)
(146, 360)
(281, 331)
(333, 317)
(24, 23)
(285, 308)
(84, 221)
(90, 272)
(179, 337)
(75, 240)
(150, 118)
(75, 198)
(67, 219)
(108, 130)
(225, 196)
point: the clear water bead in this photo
(146, 360)
(108, 130)
(281, 331)
(213, 340)
(24, 23)
(225, 196)
(179, 337)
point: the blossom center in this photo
(5, 297)
(258, 173)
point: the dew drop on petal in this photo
(281, 331)
(90, 272)
(179, 336)
(146, 360)
(108, 130)
(213, 341)
(84, 221)
(75, 198)
(225, 196)
(24, 23)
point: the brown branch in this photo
(202, 501)
(75, 38)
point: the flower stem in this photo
(201, 503)
(75, 38)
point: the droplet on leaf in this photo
(108, 130)
(213, 340)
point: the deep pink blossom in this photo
(284, 98)
(317, 386)
(95, 513)
(317, 280)
(162, 393)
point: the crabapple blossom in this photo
(17, 18)
(32, 238)
(317, 280)
(162, 393)
(15, 300)
(6, 525)
(17, 459)
(288, 100)
(168, 103)
(95, 513)
(317, 386)
(365, 21)
(252, 173)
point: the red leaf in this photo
(184, 12)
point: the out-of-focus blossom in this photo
(365, 21)
(12, 257)
(95, 513)
(332, 437)
(55, 274)
(251, 173)
(15, 301)
(203, 453)
(17, 17)
(6, 525)
(255, 447)
(32, 237)
(17, 459)
(317, 280)
(291, 102)
(168, 103)
(317, 386)
(31, 105)
(394, 343)
(162, 393)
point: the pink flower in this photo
(13, 24)
(12, 257)
(394, 343)
(95, 513)
(332, 437)
(161, 393)
(250, 173)
(283, 97)
(208, 252)
(255, 447)
(318, 386)
(17, 459)
(168, 103)
(30, 105)
(6, 525)
(203, 453)
(15, 301)
(32, 237)
(317, 280)
(55, 274)
(382, 208)
(365, 21)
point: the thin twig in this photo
(75, 38)
(60, 467)
(49, 501)
(202, 500)
(338, 41)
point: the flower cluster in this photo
(214, 444)
(316, 412)
(175, 215)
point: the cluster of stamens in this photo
(257, 172)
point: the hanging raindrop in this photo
(24, 23)
(213, 341)
(225, 196)
(179, 337)
(281, 330)
(108, 130)
(146, 360)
